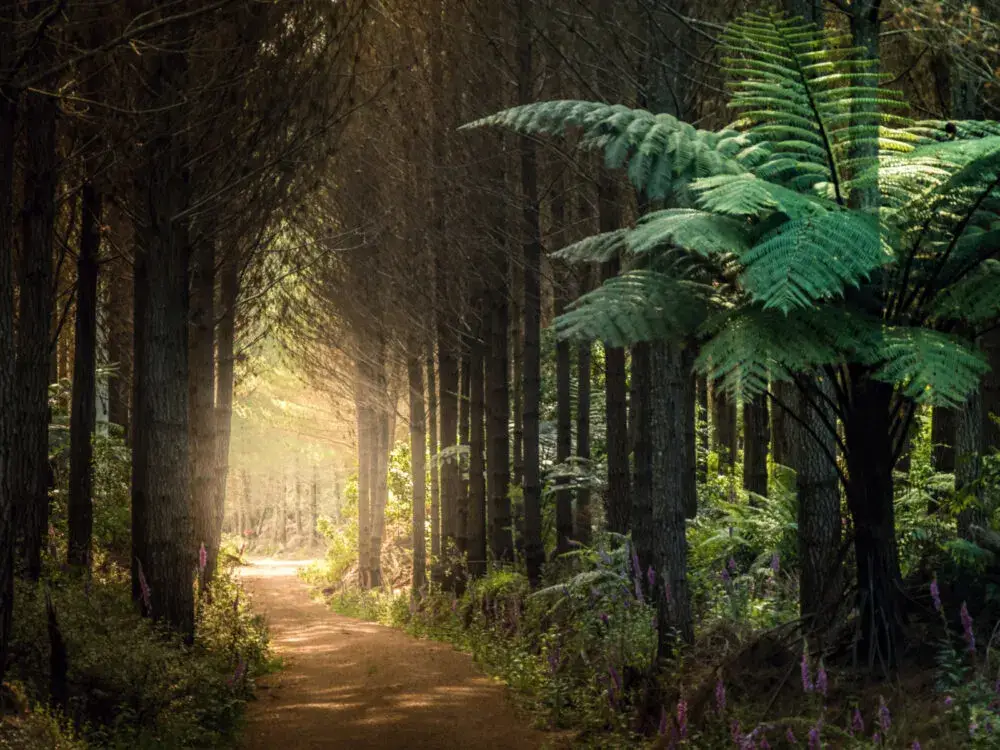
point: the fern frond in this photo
(638, 305)
(698, 231)
(813, 258)
(930, 366)
(746, 195)
(974, 299)
(599, 248)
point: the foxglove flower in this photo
(807, 683)
(720, 696)
(734, 732)
(202, 559)
(821, 680)
(884, 717)
(763, 744)
(682, 717)
(724, 575)
(732, 565)
(948, 700)
(936, 594)
(970, 637)
(857, 723)
(814, 738)
(790, 737)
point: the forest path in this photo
(353, 684)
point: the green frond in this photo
(600, 248)
(813, 258)
(746, 195)
(930, 366)
(638, 305)
(700, 232)
(974, 299)
(662, 153)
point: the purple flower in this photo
(724, 575)
(682, 717)
(650, 576)
(202, 559)
(661, 730)
(821, 681)
(636, 568)
(884, 717)
(775, 563)
(763, 744)
(720, 696)
(807, 683)
(790, 737)
(605, 618)
(936, 594)
(916, 745)
(732, 565)
(814, 738)
(857, 723)
(970, 637)
(876, 739)
(734, 732)
(948, 700)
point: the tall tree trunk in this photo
(299, 529)
(462, 511)
(581, 517)
(724, 427)
(498, 424)
(432, 447)
(380, 487)
(818, 486)
(534, 552)
(283, 511)
(756, 437)
(225, 381)
(80, 510)
(668, 415)
(8, 395)
(516, 335)
(477, 469)
(783, 423)
(564, 395)
(968, 464)
(642, 485)
(448, 383)
(418, 454)
(617, 504)
(314, 506)
(201, 396)
(34, 347)
(871, 503)
(702, 423)
(365, 454)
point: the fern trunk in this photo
(671, 403)
(869, 459)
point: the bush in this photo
(131, 684)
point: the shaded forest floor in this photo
(352, 684)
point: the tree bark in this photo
(969, 450)
(642, 485)
(724, 427)
(314, 507)
(380, 487)
(80, 509)
(818, 486)
(432, 447)
(582, 523)
(669, 382)
(462, 511)
(871, 503)
(702, 425)
(498, 426)
(225, 382)
(8, 396)
(418, 454)
(201, 395)
(365, 452)
(756, 437)
(617, 505)
(477, 469)
(534, 552)
(448, 383)
(783, 424)
(30, 445)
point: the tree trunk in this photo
(365, 453)
(617, 505)
(724, 427)
(818, 486)
(418, 455)
(225, 381)
(8, 396)
(283, 511)
(448, 384)
(432, 447)
(668, 417)
(702, 425)
(870, 500)
(783, 423)
(30, 445)
(498, 427)
(299, 529)
(314, 507)
(756, 437)
(642, 486)
(462, 511)
(534, 552)
(201, 381)
(991, 391)
(380, 487)
(516, 335)
(80, 509)
(968, 459)
(477, 470)
(582, 523)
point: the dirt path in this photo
(352, 684)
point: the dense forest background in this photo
(646, 349)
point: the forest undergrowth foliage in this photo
(106, 677)
(579, 651)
